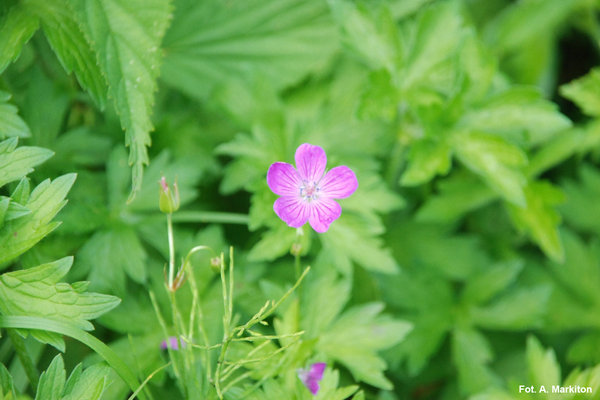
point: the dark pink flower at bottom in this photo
(312, 376)
(307, 192)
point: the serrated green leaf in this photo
(11, 124)
(70, 45)
(122, 253)
(518, 310)
(539, 217)
(46, 200)
(73, 378)
(490, 282)
(52, 381)
(584, 92)
(347, 237)
(381, 98)
(16, 162)
(37, 292)
(438, 32)
(496, 160)
(7, 388)
(543, 367)
(319, 309)
(526, 20)
(212, 42)
(471, 352)
(426, 160)
(519, 114)
(370, 32)
(357, 335)
(457, 195)
(16, 28)
(90, 385)
(127, 43)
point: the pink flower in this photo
(312, 376)
(308, 193)
(171, 343)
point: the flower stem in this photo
(171, 250)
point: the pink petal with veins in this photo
(322, 213)
(339, 182)
(283, 179)
(292, 210)
(310, 162)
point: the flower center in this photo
(309, 190)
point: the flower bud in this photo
(168, 200)
(215, 264)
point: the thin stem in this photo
(297, 265)
(171, 250)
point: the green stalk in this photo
(171, 250)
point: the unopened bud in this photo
(215, 264)
(168, 200)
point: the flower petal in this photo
(313, 386)
(339, 182)
(322, 213)
(292, 210)
(283, 179)
(310, 162)
(316, 370)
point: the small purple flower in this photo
(308, 193)
(312, 376)
(171, 343)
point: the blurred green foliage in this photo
(466, 264)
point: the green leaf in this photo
(457, 195)
(585, 350)
(91, 384)
(519, 114)
(520, 309)
(52, 381)
(540, 219)
(584, 92)
(490, 282)
(543, 367)
(7, 388)
(496, 160)
(16, 162)
(426, 160)
(16, 28)
(471, 353)
(354, 339)
(70, 45)
(346, 239)
(438, 31)
(122, 253)
(37, 292)
(370, 32)
(69, 329)
(381, 98)
(127, 43)
(576, 141)
(211, 42)
(11, 124)
(319, 309)
(525, 21)
(46, 200)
